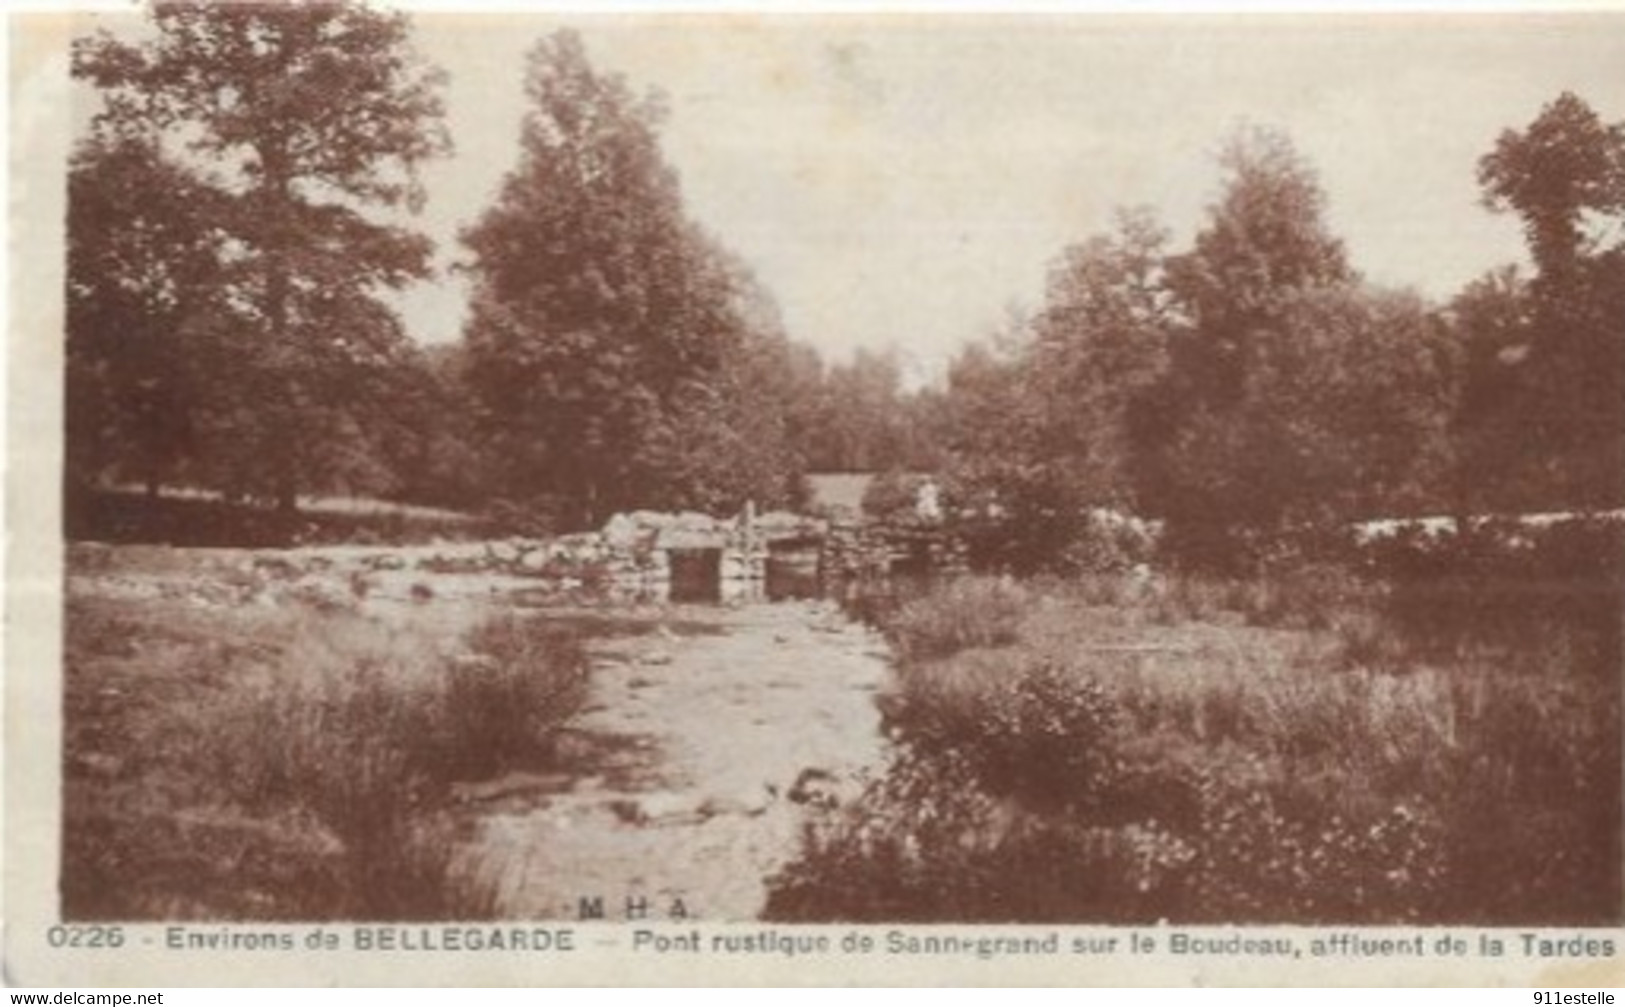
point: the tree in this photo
(607, 329)
(1045, 421)
(1560, 174)
(1265, 241)
(295, 119)
(727, 438)
(1297, 399)
(1100, 343)
(860, 428)
(1000, 494)
(1492, 319)
(1562, 425)
(141, 255)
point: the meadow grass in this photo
(290, 763)
(1284, 750)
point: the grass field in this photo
(1111, 750)
(289, 760)
(1437, 746)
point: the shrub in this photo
(925, 844)
(1549, 598)
(1106, 542)
(1335, 773)
(1031, 731)
(875, 601)
(960, 614)
(503, 702)
(892, 496)
(1311, 596)
(364, 731)
(1265, 856)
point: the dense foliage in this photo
(225, 260)
(233, 235)
(1257, 397)
(1307, 749)
(620, 357)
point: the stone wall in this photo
(630, 559)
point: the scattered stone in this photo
(751, 804)
(621, 531)
(661, 807)
(276, 566)
(820, 788)
(321, 595)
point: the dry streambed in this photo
(687, 776)
(708, 737)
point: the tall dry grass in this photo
(323, 747)
(957, 615)
(366, 728)
(1202, 751)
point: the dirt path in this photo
(683, 769)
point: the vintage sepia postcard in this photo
(531, 497)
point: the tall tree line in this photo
(619, 356)
(1254, 393)
(224, 320)
(232, 237)
(234, 229)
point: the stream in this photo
(683, 784)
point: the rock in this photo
(776, 519)
(821, 788)
(534, 561)
(621, 531)
(322, 595)
(695, 521)
(660, 807)
(501, 554)
(276, 566)
(750, 804)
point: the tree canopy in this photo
(265, 134)
(1551, 351)
(235, 230)
(1245, 392)
(613, 345)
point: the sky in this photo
(904, 180)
